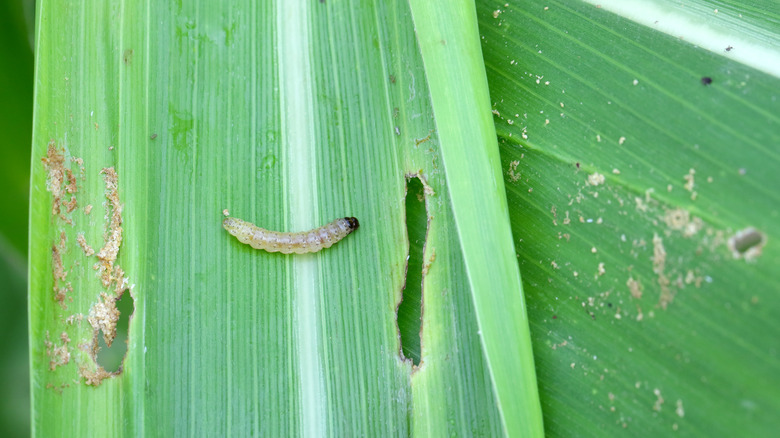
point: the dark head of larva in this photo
(353, 223)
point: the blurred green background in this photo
(16, 94)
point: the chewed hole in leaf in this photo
(409, 314)
(111, 358)
(747, 243)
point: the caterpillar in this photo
(287, 243)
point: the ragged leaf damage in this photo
(68, 256)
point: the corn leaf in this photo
(155, 120)
(643, 203)
(638, 179)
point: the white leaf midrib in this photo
(299, 164)
(715, 32)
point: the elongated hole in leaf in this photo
(410, 309)
(746, 239)
(111, 358)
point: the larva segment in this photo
(287, 243)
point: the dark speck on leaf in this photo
(706, 80)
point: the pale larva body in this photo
(287, 243)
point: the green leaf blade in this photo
(673, 355)
(198, 110)
(471, 158)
